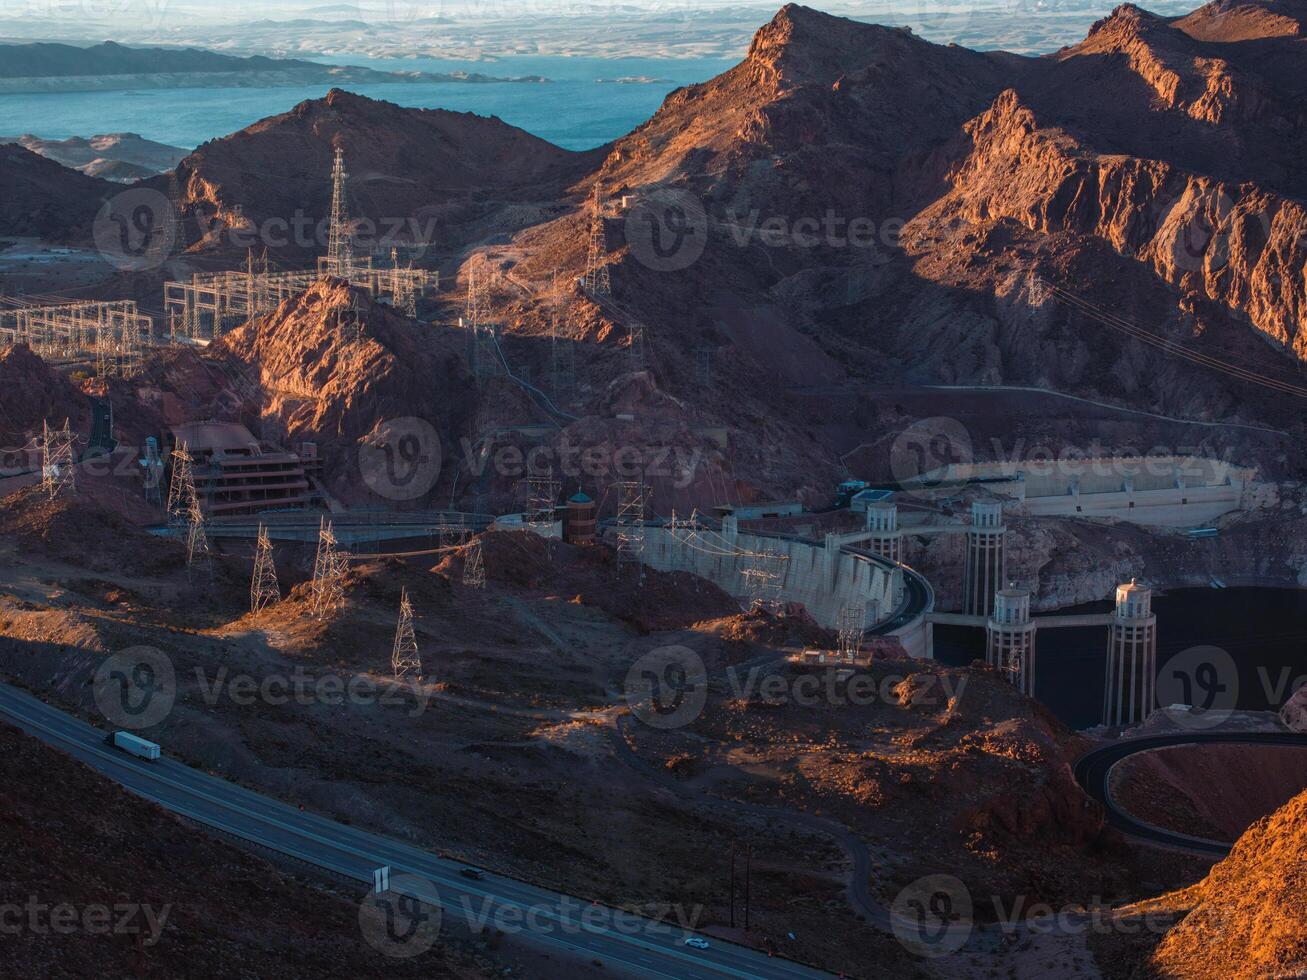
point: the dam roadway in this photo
(630, 945)
(1093, 771)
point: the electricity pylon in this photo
(474, 569)
(340, 258)
(597, 282)
(181, 488)
(853, 620)
(57, 473)
(264, 588)
(632, 500)
(404, 656)
(197, 541)
(328, 589)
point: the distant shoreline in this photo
(250, 79)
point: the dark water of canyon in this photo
(1263, 630)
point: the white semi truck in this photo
(134, 745)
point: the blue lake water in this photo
(574, 110)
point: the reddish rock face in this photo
(1294, 713)
(331, 366)
(1151, 171)
(411, 172)
(1245, 919)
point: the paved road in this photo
(630, 947)
(1093, 770)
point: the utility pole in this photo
(748, 869)
(264, 588)
(732, 886)
(404, 656)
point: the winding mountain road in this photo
(1094, 769)
(629, 945)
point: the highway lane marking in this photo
(93, 746)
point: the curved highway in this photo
(1093, 771)
(629, 946)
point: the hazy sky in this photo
(159, 12)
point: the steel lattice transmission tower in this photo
(474, 569)
(542, 501)
(482, 336)
(632, 503)
(451, 535)
(403, 294)
(340, 256)
(328, 589)
(181, 487)
(57, 472)
(853, 623)
(197, 541)
(597, 282)
(404, 656)
(264, 588)
(762, 574)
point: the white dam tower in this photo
(1130, 688)
(884, 537)
(1010, 638)
(986, 561)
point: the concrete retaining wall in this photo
(824, 579)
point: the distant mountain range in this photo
(120, 157)
(47, 67)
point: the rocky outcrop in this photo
(1294, 712)
(1245, 20)
(1246, 918)
(32, 393)
(41, 199)
(1236, 244)
(413, 172)
(333, 367)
